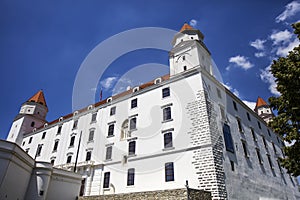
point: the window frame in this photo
(108, 153)
(168, 140)
(166, 92)
(130, 176)
(111, 130)
(132, 148)
(229, 144)
(112, 111)
(169, 172)
(106, 179)
(133, 103)
(167, 113)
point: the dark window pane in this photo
(165, 92)
(108, 153)
(168, 140)
(130, 177)
(228, 138)
(132, 123)
(106, 180)
(111, 130)
(88, 156)
(169, 172)
(133, 103)
(167, 113)
(131, 148)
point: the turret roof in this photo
(260, 102)
(38, 98)
(186, 27)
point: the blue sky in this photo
(43, 44)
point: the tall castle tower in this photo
(263, 110)
(189, 51)
(32, 115)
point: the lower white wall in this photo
(23, 178)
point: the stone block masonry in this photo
(176, 194)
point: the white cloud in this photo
(284, 50)
(259, 54)
(240, 61)
(233, 90)
(281, 37)
(268, 77)
(250, 104)
(108, 82)
(290, 10)
(193, 22)
(258, 44)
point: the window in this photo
(32, 124)
(269, 133)
(184, 68)
(228, 138)
(259, 156)
(124, 130)
(275, 151)
(253, 134)
(59, 130)
(69, 159)
(239, 125)
(55, 145)
(44, 135)
(222, 111)
(106, 180)
(279, 166)
(113, 110)
(130, 177)
(132, 125)
(232, 165)
(168, 141)
(234, 105)
(88, 156)
(270, 161)
(183, 57)
(169, 172)
(27, 150)
(245, 148)
(108, 153)
(165, 92)
(72, 141)
(75, 124)
(52, 162)
(111, 128)
(131, 148)
(91, 135)
(219, 93)
(94, 117)
(265, 142)
(23, 143)
(258, 123)
(167, 114)
(30, 140)
(248, 116)
(133, 103)
(39, 150)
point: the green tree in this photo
(286, 71)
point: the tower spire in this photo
(38, 98)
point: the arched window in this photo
(124, 130)
(32, 124)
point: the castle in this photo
(185, 126)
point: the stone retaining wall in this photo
(176, 194)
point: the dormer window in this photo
(136, 89)
(157, 81)
(109, 100)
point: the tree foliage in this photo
(286, 71)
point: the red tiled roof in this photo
(186, 27)
(260, 102)
(143, 86)
(38, 98)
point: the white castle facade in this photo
(180, 127)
